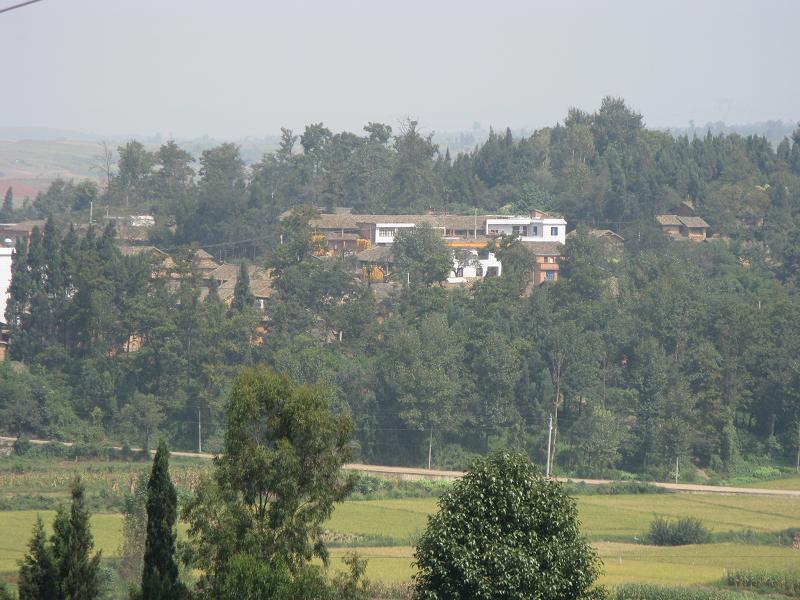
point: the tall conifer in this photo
(160, 572)
(37, 571)
(78, 571)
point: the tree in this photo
(276, 482)
(160, 572)
(78, 571)
(421, 256)
(8, 203)
(134, 532)
(37, 571)
(143, 415)
(504, 531)
(242, 296)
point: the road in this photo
(413, 474)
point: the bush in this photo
(22, 446)
(784, 582)
(683, 531)
(504, 531)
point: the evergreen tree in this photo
(242, 296)
(8, 204)
(78, 571)
(160, 572)
(37, 571)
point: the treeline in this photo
(671, 351)
(114, 345)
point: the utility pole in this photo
(199, 432)
(797, 462)
(549, 439)
(676, 469)
(430, 448)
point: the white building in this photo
(386, 232)
(6, 254)
(536, 228)
(472, 264)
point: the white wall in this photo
(471, 269)
(385, 232)
(5, 279)
(538, 230)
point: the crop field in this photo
(385, 531)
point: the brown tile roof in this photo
(545, 248)
(694, 222)
(669, 220)
(376, 254)
(129, 250)
(351, 221)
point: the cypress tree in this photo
(242, 296)
(160, 572)
(37, 571)
(8, 203)
(78, 571)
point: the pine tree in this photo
(78, 571)
(37, 571)
(8, 204)
(242, 296)
(160, 572)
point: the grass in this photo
(788, 483)
(17, 526)
(384, 531)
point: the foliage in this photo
(783, 582)
(640, 591)
(276, 482)
(134, 532)
(505, 530)
(78, 572)
(160, 570)
(421, 256)
(679, 532)
(37, 571)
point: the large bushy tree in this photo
(276, 482)
(504, 531)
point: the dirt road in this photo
(420, 474)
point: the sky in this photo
(235, 68)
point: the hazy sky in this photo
(231, 68)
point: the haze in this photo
(235, 68)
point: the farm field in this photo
(384, 531)
(789, 483)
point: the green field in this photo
(384, 532)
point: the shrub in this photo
(680, 532)
(22, 446)
(504, 531)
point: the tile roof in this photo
(545, 248)
(694, 222)
(351, 221)
(669, 220)
(376, 254)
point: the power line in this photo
(20, 5)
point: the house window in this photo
(550, 276)
(525, 231)
(385, 232)
(535, 230)
(479, 270)
(515, 229)
(460, 272)
(554, 231)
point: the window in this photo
(515, 229)
(479, 270)
(554, 231)
(460, 272)
(524, 231)
(385, 232)
(550, 276)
